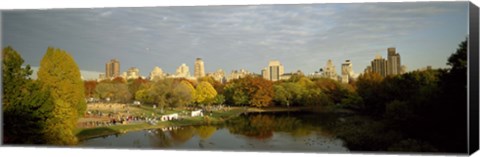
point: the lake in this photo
(282, 132)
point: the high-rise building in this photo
(199, 70)
(379, 65)
(182, 71)
(394, 65)
(347, 71)
(112, 69)
(218, 75)
(403, 69)
(236, 74)
(329, 71)
(132, 73)
(157, 73)
(274, 71)
(265, 74)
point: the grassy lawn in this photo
(216, 118)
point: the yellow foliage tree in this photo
(205, 93)
(60, 74)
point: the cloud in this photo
(227, 37)
(86, 75)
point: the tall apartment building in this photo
(199, 70)
(274, 71)
(157, 73)
(379, 65)
(132, 73)
(218, 75)
(112, 69)
(236, 74)
(389, 66)
(347, 71)
(182, 71)
(394, 67)
(329, 71)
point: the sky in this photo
(302, 36)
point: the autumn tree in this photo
(60, 74)
(90, 88)
(253, 91)
(134, 84)
(205, 93)
(183, 94)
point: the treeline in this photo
(251, 91)
(42, 111)
(420, 111)
(162, 92)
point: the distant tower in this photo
(273, 71)
(394, 66)
(329, 71)
(347, 71)
(157, 73)
(403, 69)
(133, 73)
(199, 70)
(112, 69)
(182, 71)
(265, 74)
(379, 65)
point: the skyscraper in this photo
(265, 74)
(112, 68)
(157, 73)
(347, 71)
(273, 71)
(394, 66)
(199, 70)
(132, 73)
(218, 75)
(330, 71)
(182, 71)
(379, 65)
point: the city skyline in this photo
(303, 37)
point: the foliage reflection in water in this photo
(300, 131)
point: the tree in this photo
(281, 95)
(183, 94)
(205, 93)
(369, 87)
(90, 88)
(219, 99)
(14, 77)
(59, 74)
(134, 84)
(253, 91)
(25, 106)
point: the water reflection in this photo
(258, 132)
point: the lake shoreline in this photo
(217, 117)
(214, 118)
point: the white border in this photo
(50, 4)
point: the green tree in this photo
(25, 106)
(219, 99)
(14, 77)
(60, 74)
(281, 95)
